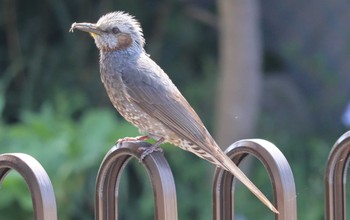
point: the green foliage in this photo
(69, 151)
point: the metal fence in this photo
(107, 184)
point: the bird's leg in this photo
(151, 149)
(126, 139)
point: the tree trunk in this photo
(240, 65)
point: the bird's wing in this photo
(152, 90)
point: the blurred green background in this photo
(54, 107)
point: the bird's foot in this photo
(148, 150)
(126, 139)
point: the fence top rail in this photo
(39, 184)
(280, 173)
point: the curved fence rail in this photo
(107, 185)
(111, 169)
(279, 171)
(38, 181)
(335, 179)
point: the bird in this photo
(146, 97)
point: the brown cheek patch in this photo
(124, 41)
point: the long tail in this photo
(229, 165)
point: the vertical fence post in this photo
(36, 178)
(107, 184)
(279, 171)
(335, 179)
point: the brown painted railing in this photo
(157, 167)
(278, 169)
(38, 181)
(335, 179)
(107, 185)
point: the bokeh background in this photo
(277, 70)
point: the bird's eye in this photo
(115, 30)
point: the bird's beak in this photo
(93, 29)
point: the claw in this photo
(148, 150)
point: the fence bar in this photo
(335, 179)
(278, 169)
(107, 185)
(36, 178)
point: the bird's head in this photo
(115, 31)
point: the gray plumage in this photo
(145, 96)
